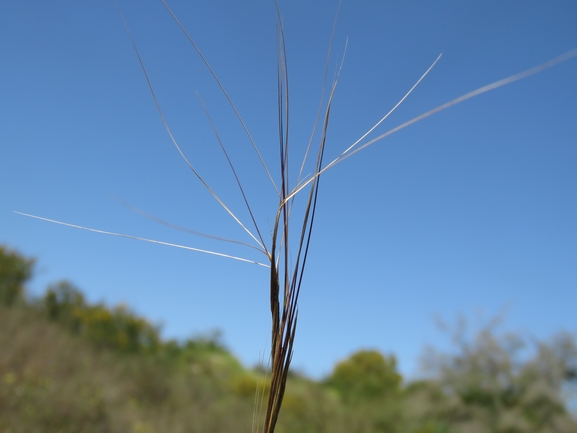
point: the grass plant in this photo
(285, 253)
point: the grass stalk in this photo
(286, 260)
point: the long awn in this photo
(285, 261)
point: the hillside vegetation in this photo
(70, 366)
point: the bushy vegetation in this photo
(67, 366)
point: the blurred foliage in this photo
(15, 271)
(366, 376)
(498, 384)
(67, 365)
(369, 388)
(115, 328)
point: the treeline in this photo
(67, 365)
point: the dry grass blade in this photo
(516, 77)
(172, 138)
(104, 232)
(184, 229)
(224, 92)
(285, 278)
(480, 90)
(322, 100)
(259, 397)
(238, 182)
(261, 244)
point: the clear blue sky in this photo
(473, 209)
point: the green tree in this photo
(366, 375)
(369, 387)
(15, 271)
(116, 328)
(63, 302)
